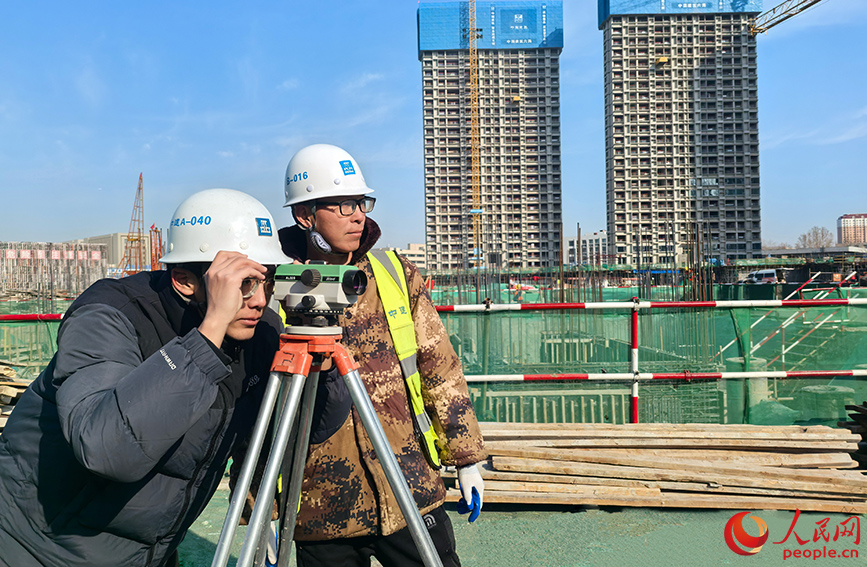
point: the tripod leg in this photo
(265, 540)
(239, 496)
(289, 505)
(392, 471)
(265, 498)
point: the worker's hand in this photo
(472, 489)
(222, 284)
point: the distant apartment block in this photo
(115, 244)
(415, 253)
(519, 132)
(852, 229)
(594, 249)
(681, 129)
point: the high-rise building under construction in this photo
(681, 130)
(518, 205)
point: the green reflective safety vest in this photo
(394, 294)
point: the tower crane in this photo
(473, 34)
(133, 260)
(779, 14)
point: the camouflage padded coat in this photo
(345, 492)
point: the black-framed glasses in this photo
(250, 285)
(347, 206)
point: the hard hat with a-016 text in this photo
(323, 171)
(222, 219)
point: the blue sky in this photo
(220, 94)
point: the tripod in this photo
(294, 359)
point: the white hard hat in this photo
(322, 171)
(222, 219)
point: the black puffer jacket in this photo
(117, 447)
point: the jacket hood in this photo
(293, 239)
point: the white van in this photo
(765, 276)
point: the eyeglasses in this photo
(347, 207)
(250, 285)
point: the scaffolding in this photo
(48, 269)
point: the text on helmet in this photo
(193, 221)
(296, 177)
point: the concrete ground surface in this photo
(513, 536)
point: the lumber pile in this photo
(680, 466)
(857, 425)
(10, 391)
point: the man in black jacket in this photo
(120, 443)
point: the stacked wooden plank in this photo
(857, 425)
(682, 466)
(10, 391)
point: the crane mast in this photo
(473, 34)
(133, 260)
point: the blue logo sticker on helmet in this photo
(264, 227)
(347, 167)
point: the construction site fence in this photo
(548, 288)
(768, 362)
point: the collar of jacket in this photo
(293, 239)
(182, 315)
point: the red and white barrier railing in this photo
(614, 305)
(627, 377)
(22, 318)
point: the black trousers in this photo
(395, 550)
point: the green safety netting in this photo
(670, 340)
(595, 341)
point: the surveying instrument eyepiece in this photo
(312, 296)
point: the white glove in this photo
(271, 558)
(472, 489)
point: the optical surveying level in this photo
(312, 295)
(317, 290)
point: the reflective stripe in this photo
(424, 421)
(409, 365)
(395, 301)
(386, 262)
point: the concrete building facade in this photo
(852, 229)
(681, 129)
(594, 249)
(519, 131)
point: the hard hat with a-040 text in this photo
(222, 219)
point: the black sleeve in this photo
(120, 413)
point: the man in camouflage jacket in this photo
(348, 511)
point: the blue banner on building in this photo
(609, 8)
(503, 25)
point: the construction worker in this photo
(348, 512)
(117, 447)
